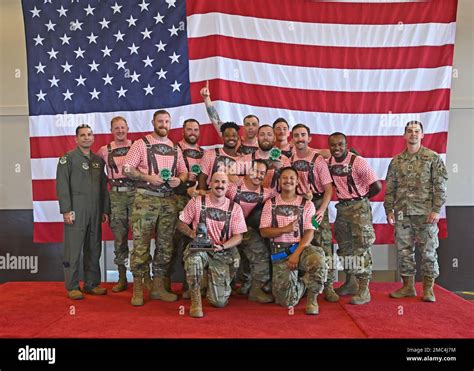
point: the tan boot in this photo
(159, 291)
(407, 290)
(363, 294)
(96, 291)
(257, 294)
(137, 298)
(329, 293)
(122, 281)
(312, 306)
(428, 293)
(75, 294)
(196, 303)
(349, 287)
(147, 281)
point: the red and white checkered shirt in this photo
(320, 172)
(283, 221)
(192, 212)
(119, 160)
(246, 206)
(138, 158)
(267, 182)
(362, 173)
(240, 168)
(192, 161)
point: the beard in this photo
(191, 140)
(160, 131)
(266, 146)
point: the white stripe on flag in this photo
(323, 34)
(320, 122)
(327, 79)
(48, 211)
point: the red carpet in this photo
(42, 310)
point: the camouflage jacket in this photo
(416, 184)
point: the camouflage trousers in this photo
(253, 247)
(152, 216)
(288, 286)
(180, 241)
(355, 235)
(221, 266)
(411, 232)
(121, 204)
(323, 238)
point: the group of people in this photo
(264, 199)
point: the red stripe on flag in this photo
(54, 232)
(383, 146)
(57, 146)
(324, 101)
(366, 146)
(438, 11)
(320, 56)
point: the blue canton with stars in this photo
(100, 56)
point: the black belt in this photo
(351, 200)
(155, 193)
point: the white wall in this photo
(15, 176)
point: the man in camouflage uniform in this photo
(192, 155)
(250, 195)
(286, 220)
(122, 194)
(416, 186)
(225, 224)
(355, 182)
(157, 166)
(315, 182)
(81, 187)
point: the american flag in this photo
(361, 68)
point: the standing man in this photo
(266, 141)
(157, 166)
(416, 187)
(81, 187)
(315, 182)
(355, 183)
(226, 159)
(286, 220)
(225, 224)
(248, 143)
(282, 131)
(250, 195)
(122, 194)
(192, 155)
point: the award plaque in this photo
(275, 154)
(196, 169)
(165, 174)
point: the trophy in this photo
(165, 174)
(196, 169)
(275, 154)
(201, 242)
